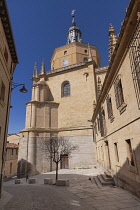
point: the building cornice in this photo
(35, 129)
(69, 68)
(42, 102)
(126, 33)
(4, 15)
(101, 70)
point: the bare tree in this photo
(58, 146)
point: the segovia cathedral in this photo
(62, 105)
(96, 108)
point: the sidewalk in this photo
(82, 194)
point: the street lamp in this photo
(23, 89)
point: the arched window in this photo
(65, 89)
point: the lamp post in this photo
(23, 89)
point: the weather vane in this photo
(73, 11)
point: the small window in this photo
(85, 59)
(12, 151)
(109, 107)
(65, 52)
(2, 91)
(65, 89)
(10, 168)
(130, 154)
(118, 92)
(102, 122)
(85, 51)
(116, 151)
(16, 151)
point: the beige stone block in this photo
(48, 181)
(62, 182)
(32, 181)
(18, 181)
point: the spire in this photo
(73, 20)
(35, 70)
(42, 67)
(74, 34)
(89, 53)
(112, 40)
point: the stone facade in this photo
(8, 61)
(116, 117)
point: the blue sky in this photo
(39, 26)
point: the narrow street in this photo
(82, 194)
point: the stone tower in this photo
(62, 104)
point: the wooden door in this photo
(64, 161)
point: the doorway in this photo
(108, 163)
(64, 162)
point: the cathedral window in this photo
(109, 107)
(85, 51)
(118, 92)
(134, 55)
(65, 52)
(65, 89)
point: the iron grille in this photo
(109, 107)
(134, 55)
(118, 92)
(102, 122)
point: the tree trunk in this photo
(56, 170)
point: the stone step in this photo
(106, 179)
(103, 182)
(108, 174)
(97, 181)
